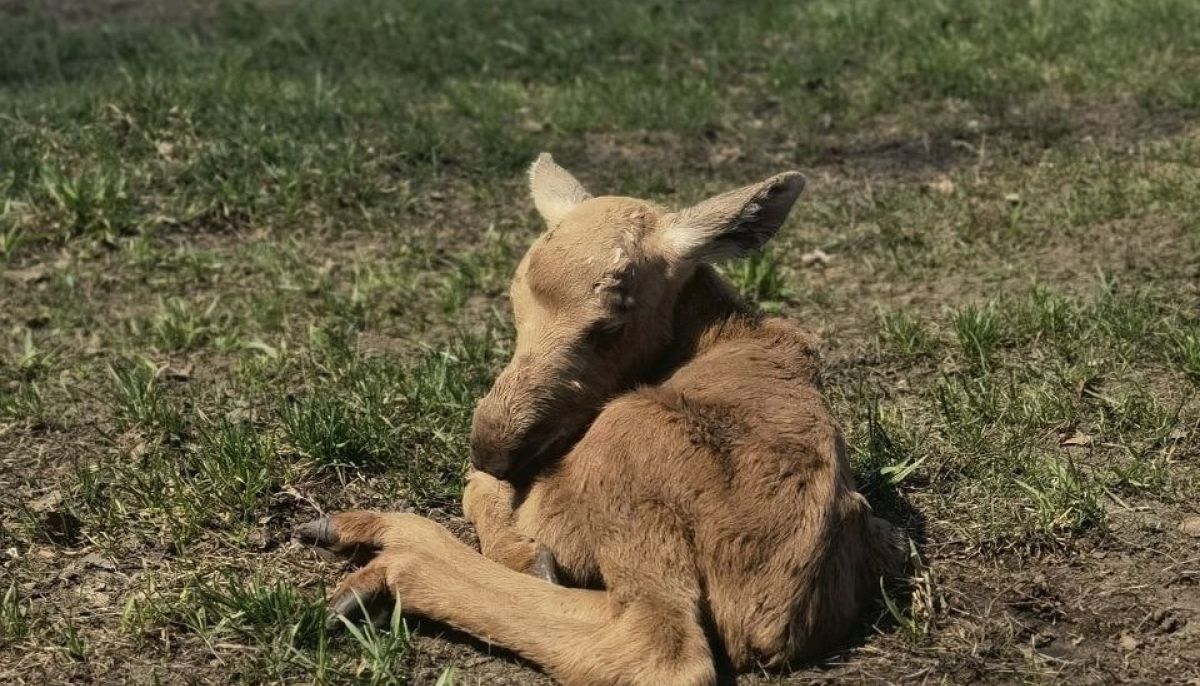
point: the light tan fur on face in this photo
(666, 447)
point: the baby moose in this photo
(657, 448)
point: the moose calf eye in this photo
(604, 333)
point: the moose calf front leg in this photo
(488, 505)
(652, 637)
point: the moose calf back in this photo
(736, 456)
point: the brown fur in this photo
(668, 447)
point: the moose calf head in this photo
(593, 302)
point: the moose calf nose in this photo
(488, 460)
(488, 453)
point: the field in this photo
(253, 261)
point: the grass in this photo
(181, 326)
(381, 649)
(136, 395)
(904, 333)
(253, 264)
(1185, 350)
(14, 616)
(761, 278)
(978, 332)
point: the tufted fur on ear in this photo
(730, 224)
(555, 192)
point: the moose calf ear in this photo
(732, 223)
(555, 192)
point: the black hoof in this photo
(318, 532)
(372, 608)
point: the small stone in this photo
(815, 257)
(943, 185)
(98, 561)
(259, 539)
(1129, 643)
(1077, 440)
(1190, 527)
(48, 502)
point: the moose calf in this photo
(655, 446)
